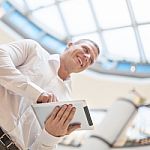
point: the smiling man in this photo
(77, 57)
(29, 74)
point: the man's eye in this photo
(86, 50)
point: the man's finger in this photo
(61, 112)
(45, 99)
(54, 98)
(72, 128)
(66, 114)
(54, 113)
(50, 97)
(70, 116)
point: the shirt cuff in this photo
(34, 91)
(48, 139)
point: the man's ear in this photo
(69, 44)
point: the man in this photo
(29, 74)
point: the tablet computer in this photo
(82, 114)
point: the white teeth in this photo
(80, 61)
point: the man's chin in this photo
(78, 71)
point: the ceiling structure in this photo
(120, 27)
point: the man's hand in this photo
(58, 124)
(47, 97)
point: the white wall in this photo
(101, 90)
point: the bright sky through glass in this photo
(111, 23)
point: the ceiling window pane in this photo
(50, 17)
(121, 44)
(78, 16)
(19, 4)
(145, 37)
(141, 10)
(52, 43)
(111, 13)
(33, 4)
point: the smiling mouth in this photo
(80, 61)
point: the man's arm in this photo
(13, 55)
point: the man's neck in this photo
(62, 72)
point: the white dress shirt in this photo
(26, 71)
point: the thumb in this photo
(73, 127)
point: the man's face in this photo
(80, 56)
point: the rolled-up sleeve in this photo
(13, 55)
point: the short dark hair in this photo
(84, 40)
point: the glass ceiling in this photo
(120, 27)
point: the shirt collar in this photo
(54, 61)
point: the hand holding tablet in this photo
(81, 116)
(58, 123)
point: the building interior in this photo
(116, 88)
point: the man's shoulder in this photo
(25, 43)
(30, 41)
